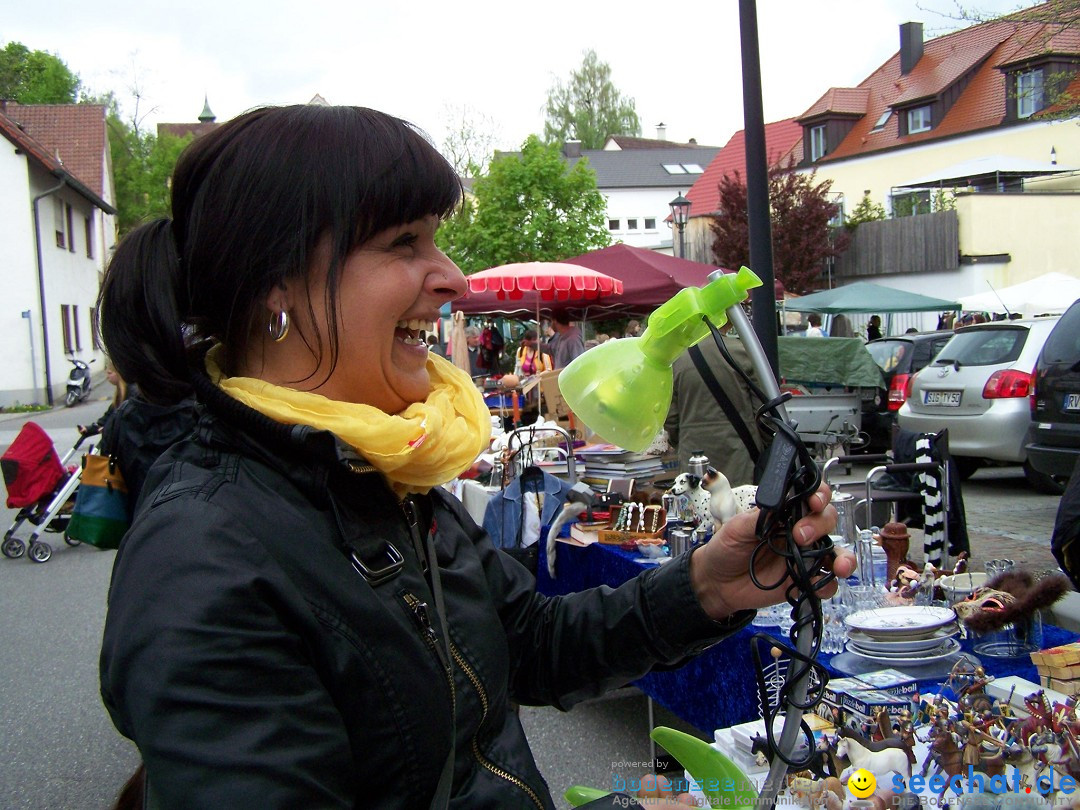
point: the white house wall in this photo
(625, 204)
(18, 288)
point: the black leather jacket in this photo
(255, 664)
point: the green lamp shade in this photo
(621, 389)
(619, 392)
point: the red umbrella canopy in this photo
(552, 281)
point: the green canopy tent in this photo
(864, 296)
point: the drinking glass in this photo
(995, 567)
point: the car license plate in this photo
(1072, 402)
(947, 399)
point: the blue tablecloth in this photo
(718, 688)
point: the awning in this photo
(983, 171)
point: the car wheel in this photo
(966, 466)
(1041, 482)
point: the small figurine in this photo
(894, 538)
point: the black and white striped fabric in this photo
(933, 503)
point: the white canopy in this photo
(1048, 293)
(984, 169)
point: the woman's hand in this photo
(719, 571)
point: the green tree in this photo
(528, 207)
(800, 211)
(143, 163)
(589, 108)
(36, 77)
(866, 211)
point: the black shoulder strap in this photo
(725, 403)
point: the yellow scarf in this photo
(427, 444)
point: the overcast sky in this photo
(427, 61)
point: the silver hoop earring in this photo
(279, 326)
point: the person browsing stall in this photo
(529, 360)
(472, 338)
(570, 343)
(299, 615)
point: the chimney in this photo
(571, 149)
(911, 42)
(661, 131)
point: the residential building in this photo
(968, 142)
(57, 231)
(639, 177)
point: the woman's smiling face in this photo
(389, 293)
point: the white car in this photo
(978, 387)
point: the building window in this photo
(65, 325)
(918, 120)
(1029, 93)
(674, 168)
(61, 235)
(631, 224)
(70, 218)
(88, 224)
(914, 202)
(650, 223)
(75, 328)
(817, 142)
(882, 121)
(613, 224)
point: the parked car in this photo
(1053, 441)
(898, 356)
(978, 387)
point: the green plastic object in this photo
(721, 780)
(621, 389)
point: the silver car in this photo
(978, 387)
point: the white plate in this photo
(927, 642)
(889, 623)
(951, 647)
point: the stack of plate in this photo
(911, 635)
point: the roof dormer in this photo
(830, 119)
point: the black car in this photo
(899, 357)
(1053, 441)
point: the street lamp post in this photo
(680, 212)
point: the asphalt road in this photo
(59, 751)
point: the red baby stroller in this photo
(40, 486)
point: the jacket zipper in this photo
(484, 761)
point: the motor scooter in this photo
(78, 381)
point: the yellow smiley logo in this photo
(862, 784)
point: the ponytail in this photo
(139, 314)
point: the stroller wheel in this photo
(40, 552)
(13, 548)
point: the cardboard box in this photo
(552, 404)
(893, 682)
(1064, 656)
(1060, 673)
(861, 707)
(831, 706)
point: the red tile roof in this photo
(979, 52)
(782, 138)
(840, 101)
(39, 153)
(75, 133)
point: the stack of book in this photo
(604, 462)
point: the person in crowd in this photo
(570, 342)
(120, 393)
(433, 345)
(814, 329)
(529, 360)
(299, 615)
(472, 337)
(695, 420)
(633, 329)
(946, 319)
(841, 326)
(873, 328)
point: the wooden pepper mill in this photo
(894, 539)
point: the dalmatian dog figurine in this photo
(689, 485)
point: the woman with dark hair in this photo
(299, 615)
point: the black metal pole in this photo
(763, 298)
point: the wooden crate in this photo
(619, 537)
(1066, 655)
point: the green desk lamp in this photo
(621, 389)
